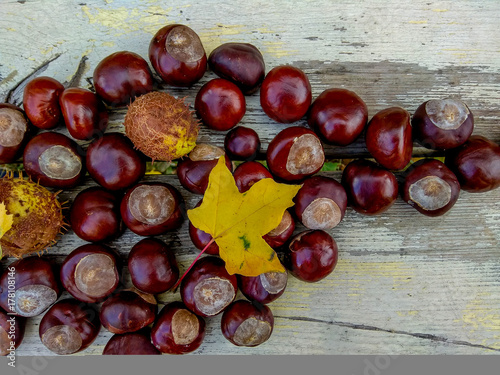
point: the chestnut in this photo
(285, 95)
(295, 153)
(135, 343)
(240, 63)
(90, 273)
(265, 288)
(177, 330)
(152, 266)
(95, 215)
(242, 143)
(41, 102)
(113, 163)
(430, 187)
(69, 327)
(320, 203)
(312, 255)
(84, 113)
(193, 171)
(126, 311)
(202, 239)
(207, 289)
(15, 130)
(371, 189)
(476, 164)
(388, 138)
(279, 235)
(442, 124)
(248, 173)
(150, 209)
(247, 324)
(122, 76)
(338, 116)
(11, 333)
(220, 104)
(177, 55)
(54, 160)
(29, 286)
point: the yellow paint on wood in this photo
(219, 34)
(278, 49)
(440, 10)
(418, 22)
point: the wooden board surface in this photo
(404, 283)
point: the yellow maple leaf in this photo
(238, 221)
(6, 221)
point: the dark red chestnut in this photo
(312, 255)
(90, 273)
(84, 113)
(371, 189)
(201, 239)
(11, 333)
(430, 187)
(150, 209)
(41, 102)
(220, 104)
(113, 163)
(279, 235)
(240, 63)
(320, 203)
(29, 286)
(54, 160)
(135, 343)
(476, 164)
(247, 324)
(338, 116)
(242, 143)
(294, 154)
(285, 95)
(69, 327)
(442, 124)
(15, 130)
(153, 267)
(121, 77)
(207, 289)
(177, 55)
(388, 138)
(248, 173)
(264, 288)
(95, 215)
(193, 171)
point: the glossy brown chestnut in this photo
(207, 289)
(476, 164)
(122, 76)
(95, 215)
(247, 324)
(90, 273)
(371, 189)
(282, 233)
(388, 138)
(150, 209)
(135, 343)
(54, 160)
(11, 333)
(84, 113)
(338, 116)
(240, 63)
(430, 187)
(201, 239)
(312, 255)
(34, 283)
(113, 163)
(285, 95)
(442, 124)
(41, 102)
(193, 171)
(152, 266)
(264, 288)
(248, 173)
(242, 143)
(15, 131)
(220, 104)
(177, 55)
(320, 203)
(126, 311)
(294, 154)
(69, 327)
(177, 330)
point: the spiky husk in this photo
(161, 126)
(37, 217)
